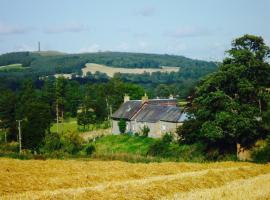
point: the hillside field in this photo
(11, 67)
(110, 71)
(83, 179)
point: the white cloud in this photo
(142, 44)
(123, 46)
(65, 28)
(188, 32)
(6, 29)
(176, 48)
(91, 48)
(24, 47)
(147, 11)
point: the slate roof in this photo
(127, 110)
(150, 113)
(153, 111)
(172, 114)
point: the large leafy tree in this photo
(8, 101)
(231, 105)
(36, 123)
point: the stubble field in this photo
(110, 71)
(77, 179)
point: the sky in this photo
(192, 28)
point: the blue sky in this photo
(193, 28)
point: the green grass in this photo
(70, 125)
(67, 126)
(12, 67)
(182, 103)
(123, 144)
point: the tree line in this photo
(39, 104)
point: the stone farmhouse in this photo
(159, 115)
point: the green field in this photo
(70, 125)
(12, 67)
(123, 144)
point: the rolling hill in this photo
(52, 62)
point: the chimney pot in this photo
(126, 98)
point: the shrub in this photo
(3, 137)
(167, 138)
(12, 147)
(262, 154)
(51, 143)
(159, 148)
(144, 131)
(90, 149)
(72, 142)
(122, 126)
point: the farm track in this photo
(54, 179)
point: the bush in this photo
(122, 126)
(90, 149)
(144, 131)
(51, 143)
(12, 147)
(167, 138)
(262, 154)
(57, 145)
(159, 148)
(2, 137)
(72, 143)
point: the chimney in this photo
(171, 96)
(126, 98)
(144, 98)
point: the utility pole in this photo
(38, 46)
(108, 108)
(20, 135)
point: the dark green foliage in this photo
(73, 63)
(122, 124)
(90, 149)
(37, 120)
(231, 105)
(161, 146)
(72, 143)
(85, 118)
(8, 101)
(167, 148)
(144, 131)
(167, 138)
(23, 58)
(51, 143)
(262, 155)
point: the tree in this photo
(36, 123)
(230, 105)
(8, 101)
(122, 124)
(86, 117)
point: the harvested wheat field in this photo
(74, 179)
(110, 71)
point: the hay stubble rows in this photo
(73, 179)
